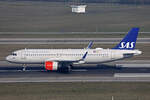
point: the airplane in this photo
(63, 59)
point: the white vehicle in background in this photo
(62, 59)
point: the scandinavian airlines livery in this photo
(62, 59)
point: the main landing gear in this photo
(65, 68)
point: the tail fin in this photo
(129, 41)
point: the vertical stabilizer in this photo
(129, 41)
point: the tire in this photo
(65, 69)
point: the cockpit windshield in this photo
(14, 54)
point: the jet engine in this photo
(57, 66)
(50, 65)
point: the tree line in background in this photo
(95, 1)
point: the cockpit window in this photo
(14, 54)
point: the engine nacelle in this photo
(51, 65)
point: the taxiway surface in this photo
(91, 73)
(65, 40)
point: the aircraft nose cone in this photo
(8, 58)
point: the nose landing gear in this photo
(24, 67)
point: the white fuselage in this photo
(98, 55)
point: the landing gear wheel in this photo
(24, 67)
(65, 69)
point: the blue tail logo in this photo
(127, 45)
(129, 41)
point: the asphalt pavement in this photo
(65, 40)
(80, 73)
